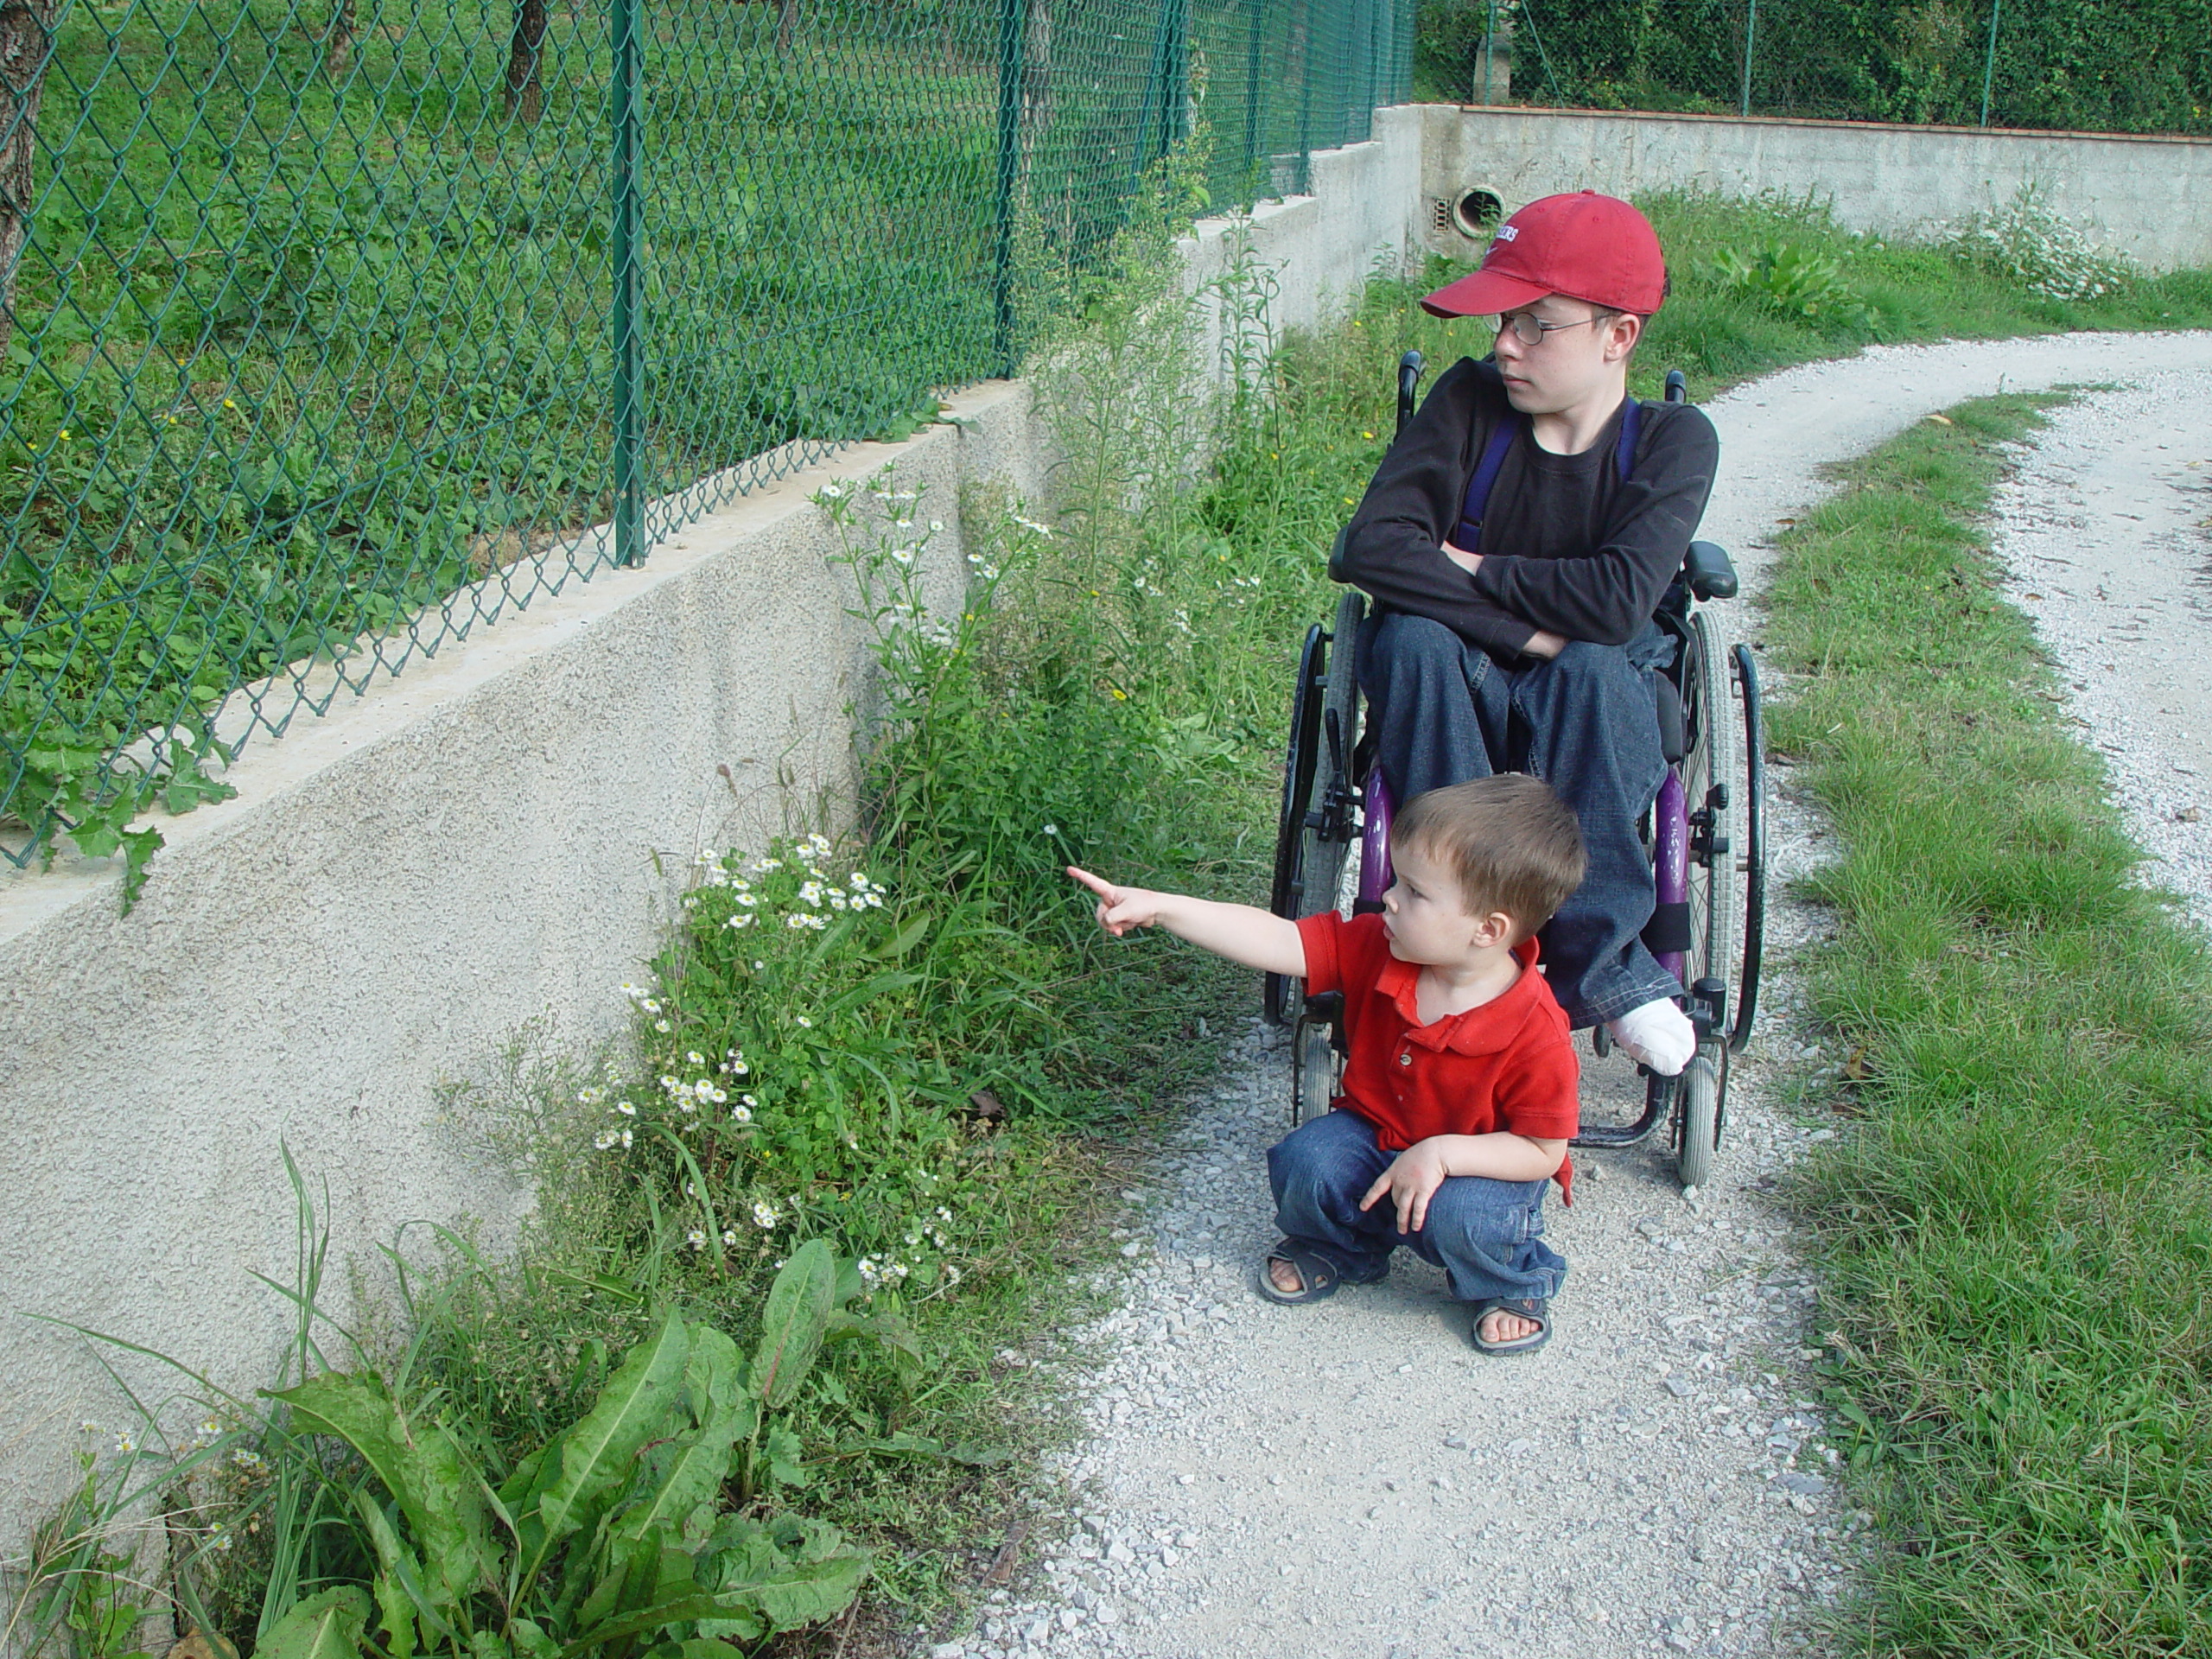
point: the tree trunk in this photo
(338, 40)
(26, 43)
(786, 26)
(525, 92)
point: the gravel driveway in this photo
(2107, 528)
(1351, 1478)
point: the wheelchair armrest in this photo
(1709, 572)
(1336, 571)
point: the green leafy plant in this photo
(1789, 278)
(628, 1531)
(374, 1512)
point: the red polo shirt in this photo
(1507, 1066)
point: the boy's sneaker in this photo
(1658, 1034)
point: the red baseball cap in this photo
(1585, 246)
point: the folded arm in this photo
(1606, 596)
(1396, 546)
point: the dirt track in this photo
(2107, 529)
(1350, 1478)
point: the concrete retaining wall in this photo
(399, 887)
(2149, 197)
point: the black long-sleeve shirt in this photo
(1568, 546)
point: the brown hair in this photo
(1509, 842)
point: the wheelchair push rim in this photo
(1300, 759)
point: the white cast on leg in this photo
(1658, 1034)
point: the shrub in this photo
(2030, 242)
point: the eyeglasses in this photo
(1530, 330)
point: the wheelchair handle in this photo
(1409, 368)
(1678, 387)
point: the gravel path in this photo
(1351, 1478)
(2107, 528)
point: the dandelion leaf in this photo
(714, 1375)
(420, 1465)
(599, 1454)
(791, 1571)
(795, 1322)
(325, 1626)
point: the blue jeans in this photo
(1487, 1236)
(1443, 712)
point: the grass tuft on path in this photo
(2015, 1231)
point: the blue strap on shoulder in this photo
(1624, 455)
(1500, 440)
(1486, 470)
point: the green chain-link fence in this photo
(2091, 65)
(334, 327)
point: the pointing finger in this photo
(1098, 885)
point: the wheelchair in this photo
(1705, 833)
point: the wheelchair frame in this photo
(1706, 831)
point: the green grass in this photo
(1905, 292)
(2015, 1232)
(300, 346)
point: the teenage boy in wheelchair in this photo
(1516, 540)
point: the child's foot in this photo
(1497, 1326)
(1658, 1034)
(1507, 1325)
(1294, 1273)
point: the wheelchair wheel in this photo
(1323, 832)
(1332, 827)
(1302, 753)
(1700, 1087)
(1713, 790)
(1317, 822)
(1711, 786)
(1751, 845)
(1315, 1065)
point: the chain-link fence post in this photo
(1306, 98)
(1362, 116)
(627, 123)
(1489, 47)
(1013, 48)
(1252, 87)
(1989, 61)
(1751, 34)
(1170, 76)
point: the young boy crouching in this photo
(1460, 1089)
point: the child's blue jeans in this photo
(1487, 1236)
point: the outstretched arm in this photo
(1239, 932)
